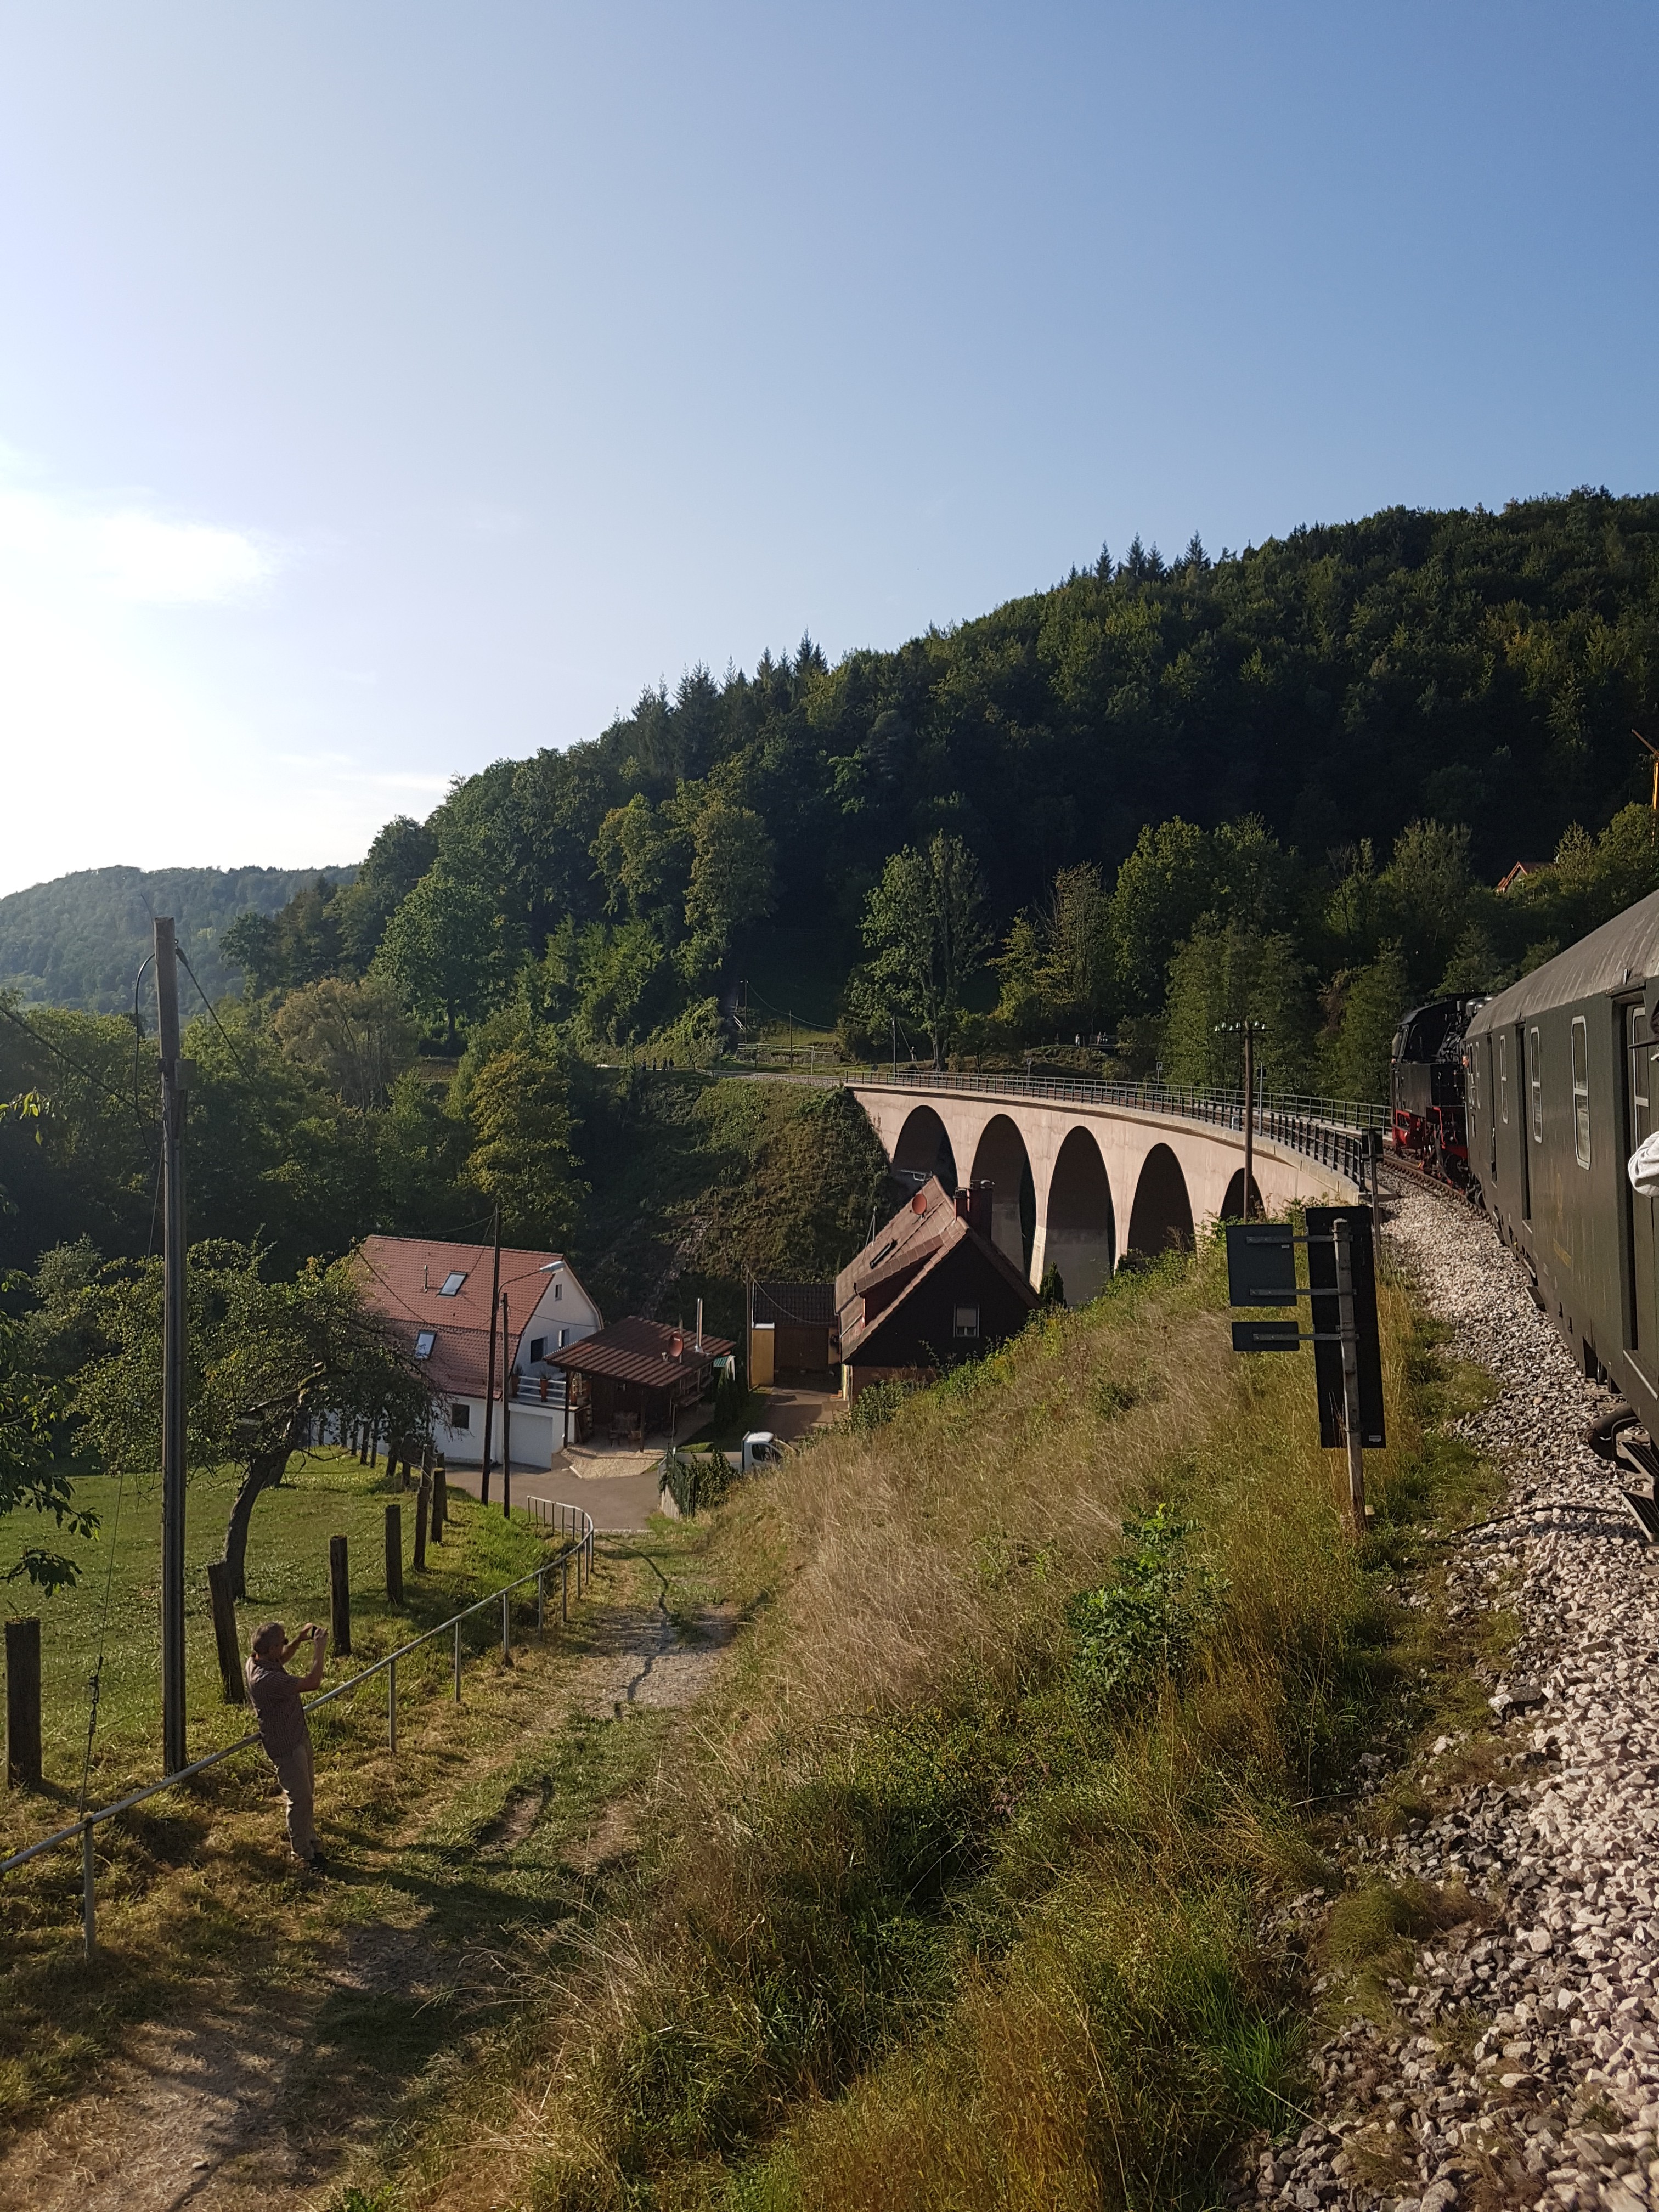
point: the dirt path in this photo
(261, 2100)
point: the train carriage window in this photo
(1535, 1083)
(1581, 1120)
(1504, 1078)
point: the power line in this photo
(213, 1016)
(116, 1097)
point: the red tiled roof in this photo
(641, 1352)
(402, 1279)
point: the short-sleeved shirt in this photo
(277, 1708)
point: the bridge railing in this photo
(1344, 1134)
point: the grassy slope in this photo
(326, 1494)
(187, 1898)
(924, 1922)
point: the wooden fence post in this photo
(422, 1508)
(223, 1604)
(23, 1704)
(339, 1589)
(439, 1502)
(394, 1553)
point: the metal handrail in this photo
(579, 1547)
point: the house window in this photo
(564, 1338)
(1504, 1078)
(537, 1349)
(451, 1283)
(1535, 1083)
(460, 1417)
(424, 1340)
(558, 1290)
(967, 1321)
(1581, 1126)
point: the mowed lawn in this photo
(326, 1494)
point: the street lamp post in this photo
(1250, 1031)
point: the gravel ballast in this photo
(1523, 2065)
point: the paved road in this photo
(615, 1501)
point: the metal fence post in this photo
(88, 1906)
(391, 1704)
(507, 1632)
(458, 1663)
(541, 1601)
(564, 1589)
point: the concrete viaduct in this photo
(1083, 1173)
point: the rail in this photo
(576, 1527)
(1312, 1126)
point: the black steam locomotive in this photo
(1427, 1087)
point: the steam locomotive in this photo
(1426, 1084)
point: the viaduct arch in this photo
(1083, 1183)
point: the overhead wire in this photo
(213, 1015)
(116, 1097)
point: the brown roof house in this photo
(639, 1379)
(437, 1296)
(929, 1289)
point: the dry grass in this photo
(930, 1923)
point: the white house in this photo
(437, 1296)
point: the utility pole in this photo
(1249, 1031)
(490, 1383)
(508, 1377)
(173, 1353)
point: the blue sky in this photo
(384, 389)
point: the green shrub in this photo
(1142, 1624)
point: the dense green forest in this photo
(1281, 768)
(78, 940)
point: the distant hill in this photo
(79, 939)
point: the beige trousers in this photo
(294, 1772)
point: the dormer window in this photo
(451, 1283)
(537, 1348)
(424, 1340)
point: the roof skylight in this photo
(451, 1283)
(424, 1341)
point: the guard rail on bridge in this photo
(1345, 1134)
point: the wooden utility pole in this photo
(489, 1371)
(394, 1554)
(173, 1350)
(507, 1420)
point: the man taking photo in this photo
(282, 1729)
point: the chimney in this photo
(979, 1207)
(963, 1202)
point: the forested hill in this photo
(1473, 667)
(78, 940)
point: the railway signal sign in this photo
(1342, 1292)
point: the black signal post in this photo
(1342, 1289)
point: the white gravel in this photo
(1523, 2067)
